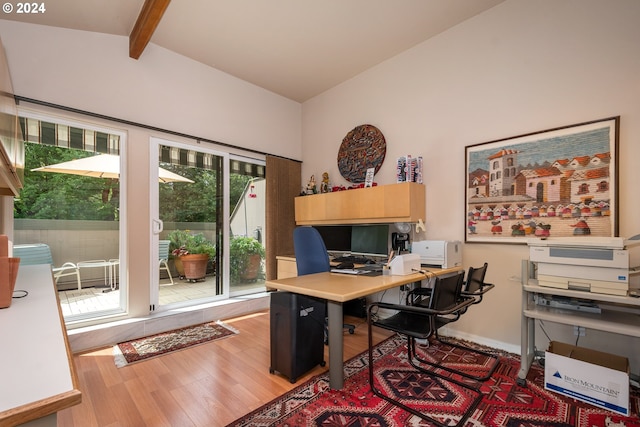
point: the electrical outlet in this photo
(579, 331)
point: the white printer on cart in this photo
(594, 264)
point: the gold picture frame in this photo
(554, 183)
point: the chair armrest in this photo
(423, 310)
(486, 287)
(477, 295)
(65, 266)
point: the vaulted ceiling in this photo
(295, 48)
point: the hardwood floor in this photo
(208, 385)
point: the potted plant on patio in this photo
(177, 239)
(246, 254)
(193, 252)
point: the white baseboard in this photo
(511, 348)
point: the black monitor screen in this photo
(370, 239)
(337, 238)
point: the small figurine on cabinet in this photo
(311, 185)
(324, 185)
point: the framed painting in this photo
(554, 183)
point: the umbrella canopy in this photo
(103, 166)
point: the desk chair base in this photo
(474, 289)
(494, 364)
(474, 403)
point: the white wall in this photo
(93, 72)
(520, 67)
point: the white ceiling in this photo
(296, 48)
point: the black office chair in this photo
(474, 288)
(312, 257)
(419, 322)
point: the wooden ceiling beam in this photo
(146, 24)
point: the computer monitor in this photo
(371, 240)
(337, 238)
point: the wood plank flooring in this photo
(208, 385)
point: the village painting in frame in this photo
(560, 182)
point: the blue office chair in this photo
(312, 257)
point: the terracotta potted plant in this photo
(192, 255)
(246, 255)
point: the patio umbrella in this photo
(103, 166)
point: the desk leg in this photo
(336, 368)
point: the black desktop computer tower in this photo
(297, 333)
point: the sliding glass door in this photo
(190, 226)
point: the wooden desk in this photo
(338, 288)
(36, 364)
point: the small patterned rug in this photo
(504, 403)
(145, 348)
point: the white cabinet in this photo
(619, 315)
(36, 364)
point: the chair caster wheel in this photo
(323, 363)
(351, 331)
(521, 382)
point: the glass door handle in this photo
(157, 226)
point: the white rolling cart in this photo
(619, 314)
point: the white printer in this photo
(439, 253)
(599, 265)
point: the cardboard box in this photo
(594, 377)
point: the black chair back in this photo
(446, 291)
(475, 279)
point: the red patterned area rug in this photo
(145, 348)
(504, 402)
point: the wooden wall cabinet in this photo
(404, 202)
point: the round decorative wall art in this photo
(364, 147)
